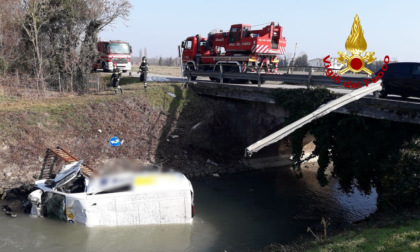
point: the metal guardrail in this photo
(305, 79)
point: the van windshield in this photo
(121, 48)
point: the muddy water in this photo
(233, 213)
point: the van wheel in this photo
(383, 93)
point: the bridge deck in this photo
(393, 108)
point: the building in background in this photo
(319, 62)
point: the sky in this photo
(319, 28)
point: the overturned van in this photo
(125, 198)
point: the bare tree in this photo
(35, 14)
(102, 13)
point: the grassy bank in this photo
(404, 237)
(155, 125)
(83, 124)
(399, 231)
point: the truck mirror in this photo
(131, 49)
(183, 44)
(179, 51)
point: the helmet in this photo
(144, 58)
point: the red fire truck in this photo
(242, 49)
(111, 52)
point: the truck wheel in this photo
(234, 69)
(104, 67)
(256, 82)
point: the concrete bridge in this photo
(393, 108)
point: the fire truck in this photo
(111, 52)
(241, 49)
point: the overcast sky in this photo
(319, 27)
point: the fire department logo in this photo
(356, 45)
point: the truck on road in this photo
(111, 52)
(241, 49)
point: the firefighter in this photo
(115, 78)
(144, 68)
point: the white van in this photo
(130, 198)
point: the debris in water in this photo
(212, 162)
(196, 126)
(174, 136)
(216, 175)
(8, 211)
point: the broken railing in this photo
(320, 112)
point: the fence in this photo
(94, 83)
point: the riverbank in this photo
(166, 125)
(390, 231)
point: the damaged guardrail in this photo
(321, 111)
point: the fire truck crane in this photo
(241, 50)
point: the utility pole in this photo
(294, 57)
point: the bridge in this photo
(393, 108)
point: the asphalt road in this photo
(269, 85)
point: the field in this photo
(161, 70)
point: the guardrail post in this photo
(189, 74)
(259, 79)
(309, 78)
(221, 74)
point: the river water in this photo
(239, 212)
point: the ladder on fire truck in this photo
(51, 158)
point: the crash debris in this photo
(78, 193)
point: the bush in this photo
(3, 64)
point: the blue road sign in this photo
(114, 141)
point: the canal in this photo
(237, 212)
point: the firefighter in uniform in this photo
(144, 68)
(115, 78)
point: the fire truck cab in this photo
(111, 52)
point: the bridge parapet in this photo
(406, 111)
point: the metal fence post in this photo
(99, 83)
(309, 78)
(259, 79)
(221, 74)
(189, 74)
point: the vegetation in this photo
(56, 39)
(365, 153)
(385, 233)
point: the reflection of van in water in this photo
(111, 52)
(129, 198)
(401, 79)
